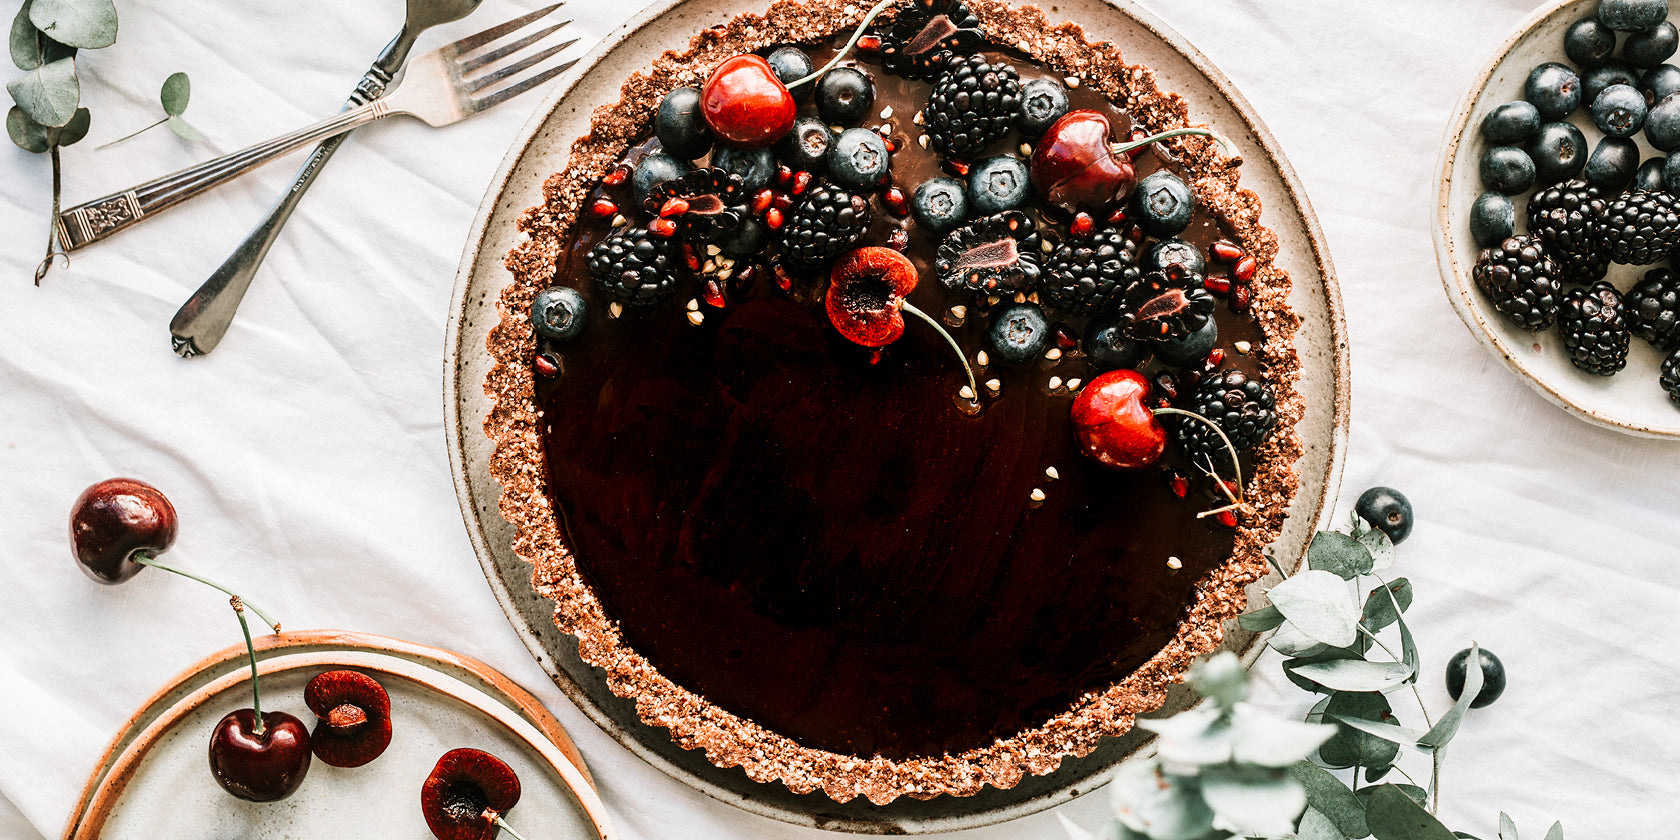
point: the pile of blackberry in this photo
(1590, 206)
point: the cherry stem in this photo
(251, 652)
(148, 560)
(841, 55)
(502, 824)
(131, 136)
(1236, 466)
(973, 388)
(1225, 146)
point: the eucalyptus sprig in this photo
(177, 90)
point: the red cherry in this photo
(1113, 423)
(354, 717)
(116, 519)
(1076, 168)
(866, 293)
(259, 767)
(745, 104)
(466, 794)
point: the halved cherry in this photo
(866, 292)
(354, 717)
(467, 793)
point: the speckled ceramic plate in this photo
(543, 149)
(154, 780)
(1630, 401)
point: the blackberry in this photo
(1594, 327)
(1653, 309)
(716, 201)
(926, 34)
(973, 104)
(1244, 409)
(823, 226)
(1564, 217)
(994, 255)
(633, 266)
(1521, 281)
(1084, 276)
(1641, 227)
(1670, 378)
(1166, 305)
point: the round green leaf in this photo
(1338, 554)
(73, 131)
(49, 93)
(90, 24)
(1327, 795)
(177, 89)
(1394, 815)
(1351, 746)
(184, 130)
(1292, 642)
(1376, 774)
(1195, 737)
(1382, 550)
(52, 50)
(1260, 620)
(1316, 826)
(28, 134)
(1261, 802)
(25, 40)
(1317, 602)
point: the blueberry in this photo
(1558, 151)
(1554, 89)
(1671, 175)
(1493, 677)
(858, 159)
(940, 204)
(845, 96)
(1176, 252)
(998, 184)
(755, 166)
(747, 240)
(1507, 169)
(1632, 15)
(1588, 42)
(806, 146)
(1660, 81)
(1190, 349)
(1612, 164)
(1614, 72)
(1651, 47)
(559, 313)
(1163, 204)
(1019, 333)
(1108, 348)
(1662, 123)
(656, 169)
(1043, 101)
(1492, 219)
(1511, 123)
(680, 125)
(1388, 510)
(1619, 111)
(791, 64)
(1650, 175)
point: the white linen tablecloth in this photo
(306, 456)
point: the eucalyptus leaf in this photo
(48, 93)
(1260, 620)
(1195, 738)
(1327, 795)
(1507, 827)
(1317, 603)
(1408, 645)
(1271, 741)
(1380, 608)
(1316, 826)
(1382, 729)
(1380, 548)
(184, 130)
(1351, 746)
(1393, 815)
(52, 50)
(1355, 674)
(1290, 641)
(1338, 554)
(177, 90)
(1465, 835)
(1316, 713)
(1220, 678)
(1161, 805)
(1447, 726)
(1257, 802)
(1556, 831)
(1418, 795)
(89, 24)
(1328, 654)
(28, 134)
(1376, 774)
(25, 41)
(72, 132)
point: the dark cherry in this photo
(354, 717)
(260, 767)
(745, 104)
(1075, 166)
(466, 794)
(116, 519)
(866, 294)
(1114, 424)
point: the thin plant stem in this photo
(46, 262)
(251, 652)
(1397, 658)
(131, 136)
(1435, 779)
(841, 55)
(1225, 146)
(973, 387)
(502, 824)
(155, 563)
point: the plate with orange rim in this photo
(154, 780)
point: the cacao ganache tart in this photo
(895, 430)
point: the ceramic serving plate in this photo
(1630, 401)
(543, 149)
(154, 780)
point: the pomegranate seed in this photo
(1065, 337)
(955, 168)
(784, 280)
(801, 182)
(1230, 486)
(869, 43)
(617, 176)
(896, 203)
(1217, 285)
(875, 356)
(1243, 271)
(784, 175)
(546, 366)
(899, 239)
(604, 208)
(1179, 484)
(1215, 359)
(1167, 384)
(1226, 251)
(1118, 217)
(891, 146)
(673, 207)
(663, 227)
(741, 282)
(761, 200)
(1163, 402)
(782, 201)
(773, 218)
(713, 294)
(1240, 297)
(690, 257)
(1082, 225)
(1134, 234)
(1228, 518)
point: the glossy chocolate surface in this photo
(839, 550)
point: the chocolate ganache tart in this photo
(898, 413)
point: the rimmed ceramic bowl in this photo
(543, 149)
(1631, 401)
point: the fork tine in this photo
(473, 42)
(506, 73)
(511, 91)
(502, 52)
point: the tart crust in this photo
(728, 740)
